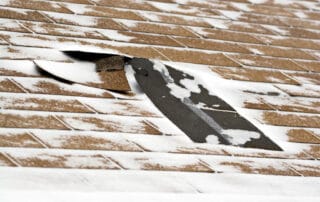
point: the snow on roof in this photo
(66, 129)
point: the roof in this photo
(96, 134)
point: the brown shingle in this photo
(39, 5)
(18, 140)
(310, 65)
(158, 28)
(261, 61)
(255, 75)
(45, 86)
(280, 52)
(303, 136)
(22, 15)
(306, 78)
(177, 19)
(88, 142)
(291, 42)
(109, 125)
(211, 45)
(43, 104)
(8, 86)
(30, 121)
(151, 39)
(47, 160)
(226, 35)
(63, 30)
(4, 161)
(131, 4)
(100, 11)
(250, 167)
(197, 57)
(294, 120)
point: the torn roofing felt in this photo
(98, 70)
(203, 117)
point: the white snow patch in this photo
(255, 51)
(212, 139)
(79, 72)
(276, 29)
(234, 15)
(240, 137)
(115, 35)
(178, 91)
(300, 14)
(221, 24)
(242, 6)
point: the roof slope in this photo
(261, 56)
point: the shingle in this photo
(37, 5)
(291, 42)
(42, 104)
(109, 124)
(197, 57)
(176, 19)
(16, 139)
(8, 86)
(303, 136)
(50, 86)
(211, 45)
(295, 120)
(47, 160)
(4, 161)
(20, 14)
(262, 61)
(87, 142)
(63, 30)
(279, 52)
(303, 91)
(227, 35)
(11, 25)
(9, 120)
(100, 11)
(254, 75)
(310, 65)
(157, 28)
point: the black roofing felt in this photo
(196, 122)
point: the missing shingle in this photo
(200, 115)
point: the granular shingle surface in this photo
(96, 140)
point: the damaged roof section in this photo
(74, 118)
(99, 70)
(203, 117)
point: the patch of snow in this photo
(169, 7)
(79, 72)
(255, 51)
(276, 29)
(22, 66)
(115, 35)
(242, 6)
(234, 15)
(212, 139)
(300, 14)
(258, 1)
(221, 24)
(178, 91)
(240, 137)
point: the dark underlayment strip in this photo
(217, 119)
